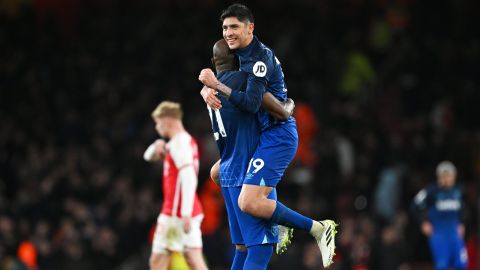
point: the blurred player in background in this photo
(439, 207)
(237, 135)
(279, 139)
(178, 225)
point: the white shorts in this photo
(169, 235)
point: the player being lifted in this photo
(178, 225)
(439, 207)
(237, 135)
(278, 141)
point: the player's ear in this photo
(213, 61)
(251, 26)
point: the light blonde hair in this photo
(168, 109)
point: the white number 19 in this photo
(257, 164)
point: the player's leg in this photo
(231, 197)
(193, 245)
(460, 258)
(257, 232)
(273, 155)
(440, 250)
(159, 261)
(194, 259)
(160, 257)
(258, 257)
(240, 257)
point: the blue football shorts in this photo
(275, 151)
(244, 228)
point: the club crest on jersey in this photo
(260, 69)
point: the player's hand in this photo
(427, 228)
(187, 224)
(461, 230)
(207, 77)
(160, 148)
(210, 97)
(289, 106)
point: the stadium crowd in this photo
(384, 90)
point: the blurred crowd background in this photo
(385, 89)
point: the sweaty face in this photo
(446, 179)
(237, 34)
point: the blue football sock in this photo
(289, 218)
(239, 260)
(258, 257)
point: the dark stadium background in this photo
(384, 91)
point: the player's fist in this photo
(187, 224)
(160, 148)
(207, 77)
(289, 106)
(210, 97)
(427, 228)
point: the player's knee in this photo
(247, 205)
(215, 173)
(190, 259)
(194, 260)
(241, 248)
(154, 262)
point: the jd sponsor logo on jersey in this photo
(447, 205)
(260, 69)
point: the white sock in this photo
(317, 228)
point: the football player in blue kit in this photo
(278, 139)
(439, 207)
(237, 135)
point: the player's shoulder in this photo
(180, 140)
(263, 53)
(261, 59)
(458, 190)
(431, 188)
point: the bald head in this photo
(223, 57)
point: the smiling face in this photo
(236, 33)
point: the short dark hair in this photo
(241, 12)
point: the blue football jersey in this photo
(264, 74)
(236, 132)
(443, 206)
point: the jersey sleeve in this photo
(420, 205)
(182, 155)
(181, 151)
(258, 71)
(420, 199)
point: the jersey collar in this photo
(243, 52)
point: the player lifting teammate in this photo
(278, 141)
(237, 135)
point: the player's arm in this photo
(182, 155)
(248, 100)
(155, 152)
(280, 110)
(420, 205)
(209, 95)
(463, 217)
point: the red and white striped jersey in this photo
(181, 151)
